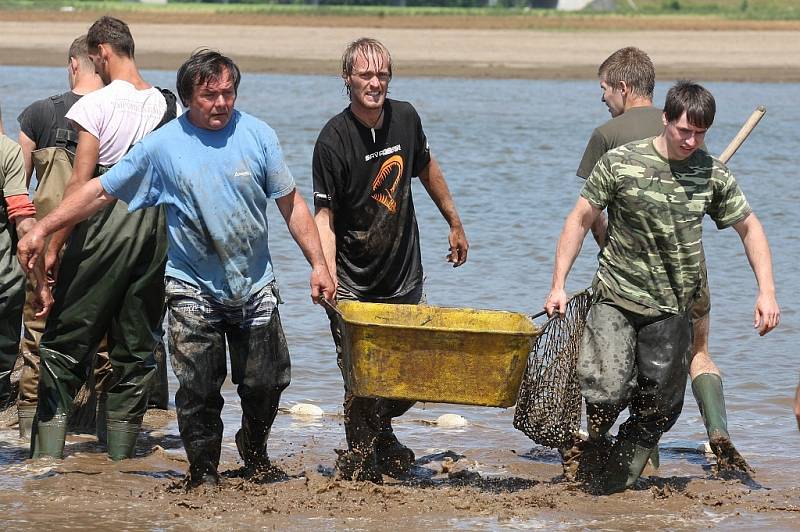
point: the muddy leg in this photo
(197, 351)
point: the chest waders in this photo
(111, 279)
(53, 169)
(53, 165)
(12, 296)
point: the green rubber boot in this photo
(707, 390)
(625, 465)
(48, 437)
(121, 439)
(25, 414)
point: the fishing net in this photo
(549, 402)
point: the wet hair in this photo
(205, 65)
(632, 66)
(366, 47)
(111, 31)
(694, 100)
(79, 50)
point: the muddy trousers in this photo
(32, 330)
(110, 282)
(12, 297)
(364, 417)
(627, 360)
(198, 329)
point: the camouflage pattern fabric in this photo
(653, 254)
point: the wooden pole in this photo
(740, 137)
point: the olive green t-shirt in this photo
(12, 183)
(653, 253)
(634, 124)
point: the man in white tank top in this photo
(111, 275)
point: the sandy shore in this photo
(484, 489)
(497, 47)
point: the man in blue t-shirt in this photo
(214, 169)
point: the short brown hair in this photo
(365, 46)
(694, 100)
(111, 31)
(79, 50)
(632, 66)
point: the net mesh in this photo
(549, 402)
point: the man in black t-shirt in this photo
(364, 160)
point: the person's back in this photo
(111, 275)
(49, 142)
(634, 124)
(118, 116)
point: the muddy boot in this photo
(47, 437)
(707, 389)
(202, 473)
(590, 458)
(625, 466)
(203, 459)
(253, 450)
(356, 465)
(392, 457)
(121, 439)
(25, 414)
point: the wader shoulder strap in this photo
(66, 137)
(172, 110)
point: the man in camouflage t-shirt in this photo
(639, 333)
(627, 78)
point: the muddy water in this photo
(509, 150)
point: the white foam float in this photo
(306, 410)
(451, 421)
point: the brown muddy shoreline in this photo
(442, 46)
(482, 488)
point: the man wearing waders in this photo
(48, 144)
(110, 279)
(364, 160)
(634, 351)
(627, 79)
(16, 217)
(214, 170)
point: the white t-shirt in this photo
(118, 115)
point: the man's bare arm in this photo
(569, 245)
(302, 228)
(599, 229)
(433, 180)
(27, 158)
(81, 204)
(767, 314)
(327, 235)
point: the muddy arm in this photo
(433, 180)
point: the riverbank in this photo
(442, 46)
(483, 488)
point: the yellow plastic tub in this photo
(435, 354)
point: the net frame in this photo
(549, 402)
